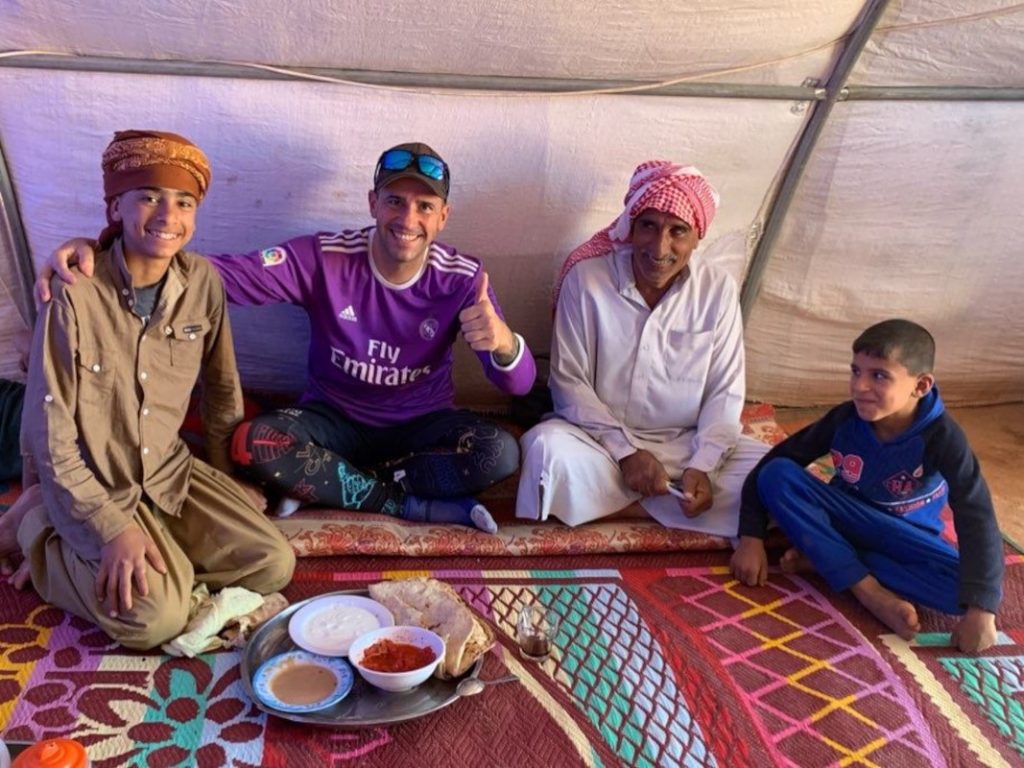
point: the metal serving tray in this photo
(365, 706)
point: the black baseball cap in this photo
(414, 160)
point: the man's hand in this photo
(123, 560)
(976, 631)
(643, 473)
(77, 251)
(749, 562)
(697, 496)
(484, 331)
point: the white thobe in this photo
(626, 377)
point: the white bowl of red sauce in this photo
(396, 658)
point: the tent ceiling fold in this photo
(783, 42)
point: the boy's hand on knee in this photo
(749, 562)
(976, 631)
(123, 562)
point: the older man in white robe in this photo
(647, 371)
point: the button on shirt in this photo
(107, 395)
(669, 380)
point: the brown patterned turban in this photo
(137, 159)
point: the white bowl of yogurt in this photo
(328, 625)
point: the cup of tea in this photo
(536, 629)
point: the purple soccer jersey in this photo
(380, 353)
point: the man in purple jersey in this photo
(376, 429)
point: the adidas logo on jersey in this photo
(348, 314)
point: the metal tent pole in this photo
(930, 93)
(805, 146)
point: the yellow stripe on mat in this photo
(957, 718)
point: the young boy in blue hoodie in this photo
(875, 529)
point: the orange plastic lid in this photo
(53, 753)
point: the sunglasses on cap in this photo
(400, 159)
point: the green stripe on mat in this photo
(590, 657)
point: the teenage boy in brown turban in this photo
(377, 429)
(125, 520)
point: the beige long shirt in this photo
(107, 395)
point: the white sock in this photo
(286, 506)
(482, 519)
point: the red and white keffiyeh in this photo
(681, 191)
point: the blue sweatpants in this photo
(846, 539)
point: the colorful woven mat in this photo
(662, 661)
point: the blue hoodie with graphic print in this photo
(913, 476)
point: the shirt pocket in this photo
(187, 339)
(688, 355)
(96, 376)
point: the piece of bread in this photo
(436, 606)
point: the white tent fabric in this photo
(916, 222)
(635, 39)
(906, 208)
(945, 42)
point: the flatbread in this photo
(436, 606)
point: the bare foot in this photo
(795, 561)
(11, 520)
(890, 609)
(22, 577)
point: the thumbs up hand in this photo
(483, 330)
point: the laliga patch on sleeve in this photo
(271, 257)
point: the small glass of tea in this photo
(536, 630)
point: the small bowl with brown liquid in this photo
(299, 681)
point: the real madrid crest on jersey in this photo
(271, 257)
(428, 328)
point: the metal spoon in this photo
(473, 685)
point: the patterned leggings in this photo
(315, 454)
